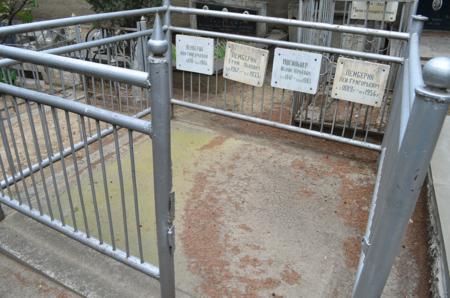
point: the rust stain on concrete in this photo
(290, 276)
(216, 142)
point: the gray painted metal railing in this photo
(420, 107)
(31, 123)
(416, 116)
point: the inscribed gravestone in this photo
(296, 70)
(245, 64)
(195, 54)
(360, 81)
(376, 11)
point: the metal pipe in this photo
(103, 248)
(42, 25)
(290, 22)
(288, 44)
(128, 76)
(276, 125)
(84, 45)
(79, 108)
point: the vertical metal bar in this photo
(91, 179)
(162, 164)
(135, 195)
(9, 159)
(105, 186)
(77, 173)
(16, 150)
(63, 164)
(5, 178)
(199, 88)
(49, 150)
(27, 155)
(2, 213)
(39, 158)
(122, 190)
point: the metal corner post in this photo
(410, 164)
(162, 164)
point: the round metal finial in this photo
(157, 44)
(436, 73)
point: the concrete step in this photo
(71, 264)
(440, 208)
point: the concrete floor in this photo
(440, 168)
(262, 212)
(17, 280)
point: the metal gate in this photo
(51, 147)
(66, 108)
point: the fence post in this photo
(2, 214)
(162, 164)
(141, 48)
(411, 165)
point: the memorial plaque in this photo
(376, 11)
(245, 64)
(195, 54)
(360, 81)
(296, 70)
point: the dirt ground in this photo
(272, 213)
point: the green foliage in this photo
(118, 5)
(219, 50)
(10, 9)
(11, 74)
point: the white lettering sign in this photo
(296, 70)
(376, 11)
(195, 54)
(360, 81)
(245, 64)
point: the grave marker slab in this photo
(376, 11)
(195, 54)
(296, 70)
(245, 64)
(360, 81)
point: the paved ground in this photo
(440, 167)
(17, 280)
(260, 212)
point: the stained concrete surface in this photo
(261, 212)
(17, 280)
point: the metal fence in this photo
(71, 163)
(57, 131)
(320, 114)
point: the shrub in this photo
(117, 5)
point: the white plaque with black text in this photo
(245, 64)
(376, 11)
(296, 70)
(195, 54)
(360, 81)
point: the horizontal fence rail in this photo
(287, 44)
(290, 22)
(79, 108)
(84, 45)
(129, 76)
(77, 20)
